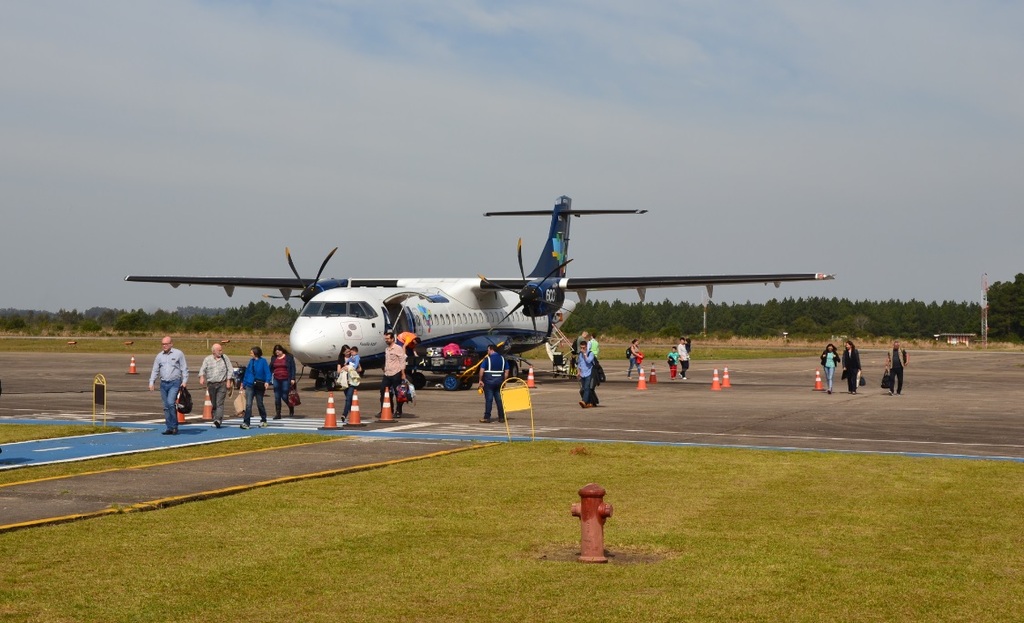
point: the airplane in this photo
(470, 312)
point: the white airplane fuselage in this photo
(439, 311)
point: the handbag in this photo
(861, 380)
(293, 397)
(846, 373)
(240, 404)
(886, 380)
(402, 393)
(259, 386)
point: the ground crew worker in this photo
(493, 372)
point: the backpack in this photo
(629, 352)
(184, 401)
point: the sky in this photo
(878, 141)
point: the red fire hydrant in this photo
(592, 512)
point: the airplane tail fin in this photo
(556, 248)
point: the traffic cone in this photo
(330, 420)
(654, 377)
(642, 383)
(353, 414)
(385, 410)
(716, 386)
(131, 367)
(207, 408)
(818, 387)
(725, 379)
(181, 417)
(529, 378)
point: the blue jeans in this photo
(169, 393)
(829, 373)
(587, 393)
(281, 387)
(250, 394)
(349, 392)
(492, 394)
(632, 364)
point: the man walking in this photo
(493, 372)
(585, 367)
(172, 370)
(896, 360)
(394, 371)
(216, 375)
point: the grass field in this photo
(697, 535)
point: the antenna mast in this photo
(984, 310)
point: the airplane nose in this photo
(310, 343)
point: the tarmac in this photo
(957, 404)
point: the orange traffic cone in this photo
(716, 386)
(330, 420)
(725, 379)
(131, 367)
(207, 408)
(529, 378)
(818, 387)
(353, 414)
(654, 377)
(642, 383)
(181, 417)
(385, 410)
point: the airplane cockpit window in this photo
(351, 309)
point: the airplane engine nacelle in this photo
(542, 299)
(327, 284)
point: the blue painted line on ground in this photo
(146, 437)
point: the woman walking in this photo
(282, 368)
(632, 353)
(830, 361)
(255, 381)
(851, 366)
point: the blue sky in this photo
(878, 141)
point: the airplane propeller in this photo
(531, 293)
(307, 288)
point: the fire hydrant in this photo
(592, 512)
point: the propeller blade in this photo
(496, 285)
(324, 265)
(288, 254)
(557, 269)
(512, 311)
(519, 252)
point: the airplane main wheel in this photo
(418, 380)
(451, 382)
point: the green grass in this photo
(697, 534)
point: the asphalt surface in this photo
(956, 403)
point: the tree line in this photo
(803, 317)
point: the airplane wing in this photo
(581, 285)
(285, 285)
